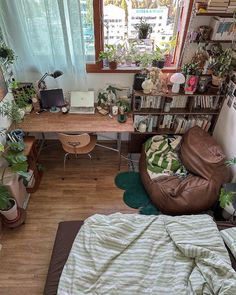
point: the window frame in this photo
(97, 67)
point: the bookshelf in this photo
(182, 113)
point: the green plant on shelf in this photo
(12, 111)
(191, 68)
(222, 64)
(227, 197)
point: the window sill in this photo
(126, 70)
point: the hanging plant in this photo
(7, 54)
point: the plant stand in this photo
(17, 222)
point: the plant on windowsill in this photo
(158, 58)
(227, 195)
(7, 54)
(144, 29)
(192, 72)
(111, 55)
(222, 65)
(168, 54)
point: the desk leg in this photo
(42, 142)
(119, 149)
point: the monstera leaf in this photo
(226, 197)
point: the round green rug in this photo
(135, 195)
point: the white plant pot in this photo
(228, 211)
(12, 213)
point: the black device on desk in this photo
(52, 98)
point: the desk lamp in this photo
(41, 83)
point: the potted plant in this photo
(111, 55)
(228, 195)
(158, 58)
(124, 109)
(7, 54)
(18, 164)
(221, 65)
(191, 71)
(169, 48)
(144, 29)
(11, 110)
(145, 60)
(23, 94)
(8, 206)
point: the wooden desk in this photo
(69, 123)
(58, 122)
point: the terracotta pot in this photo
(216, 81)
(12, 213)
(191, 84)
(168, 60)
(112, 65)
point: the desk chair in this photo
(77, 144)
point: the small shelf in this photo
(147, 111)
(212, 41)
(220, 14)
(171, 94)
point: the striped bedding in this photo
(137, 254)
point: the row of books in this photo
(179, 124)
(154, 102)
(179, 102)
(150, 102)
(182, 124)
(221, 6)
(223, 28)
(210, 102)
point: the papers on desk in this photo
(82, 102)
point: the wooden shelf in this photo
(207, 117)
(160, 131)
(220, 14)
(171, 94)
(212, 41)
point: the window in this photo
(122, 15)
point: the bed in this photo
(65, 236)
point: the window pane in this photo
(88, 29)
(121, 17)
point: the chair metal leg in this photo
(64, 167)
(90, 157)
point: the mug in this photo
(115, 110)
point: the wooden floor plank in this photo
(88, 188)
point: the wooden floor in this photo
(88, 188)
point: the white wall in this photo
(225, 132)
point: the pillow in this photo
(229, 237)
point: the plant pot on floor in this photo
(191, 84)
(11, 213)
(216, 81)
(112, 65)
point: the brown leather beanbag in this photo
(204, 158)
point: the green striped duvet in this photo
(137, 254)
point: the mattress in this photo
(65, 236)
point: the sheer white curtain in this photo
(46, 35)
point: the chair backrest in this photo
(73, 143)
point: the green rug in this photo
(135, 195)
